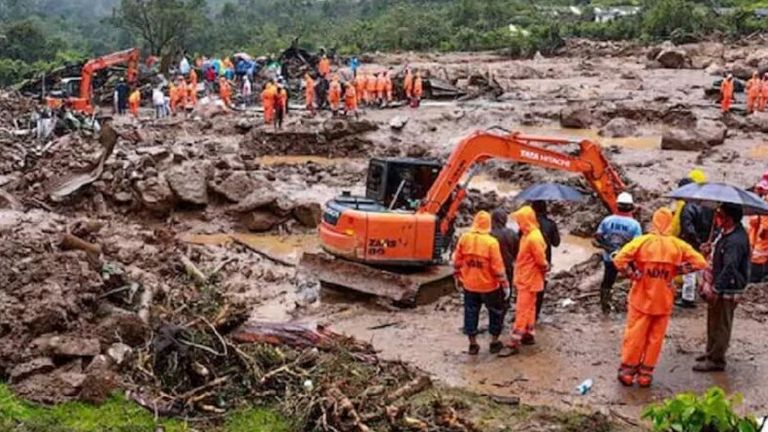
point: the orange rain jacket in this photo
(193, 77)
(754, 86)
(656, 258)
(350, 97)
(225, 92)
(324, 67)
(758, 239)
(360, 82)
(334, 94)
(477, 259)
(381, 85)
(408, 84)
(309, 91)
(418, 88)
(531, 264)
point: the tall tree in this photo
(165, 25)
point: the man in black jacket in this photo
(508, 241)
(695, 228)
(730, 273)
(551, 235)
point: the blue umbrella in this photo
(549, 192)
(721, 193)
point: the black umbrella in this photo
(549, 192)
(721, 193)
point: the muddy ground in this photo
(241, 201)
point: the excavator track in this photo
(406, 287)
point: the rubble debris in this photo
(673, 58)
(707, 133)
(618, 127)
(576, 116)
(188, 182)
(398, 122)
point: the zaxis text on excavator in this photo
(76, 93)
(393, 242)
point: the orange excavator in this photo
(76, 92)
(393, 242)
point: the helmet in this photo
(625, 198)
(625, 202)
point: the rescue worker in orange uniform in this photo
(763, 94)
(418, 90)
(324, 67)
(360, 82)
(193, 77)
(191, 95)
(726, 94)
(381, 88)
(268, 102)
(408, 84)
(754, 88)
(531, 266)
(388, 86)
(280, 105)
(225, 91)
(309, 93)
(479, 271)
(134, 101)
(370, 89)
(758, 238)
(350, 99)
(173, 94)
(334, 95)
(651, 261)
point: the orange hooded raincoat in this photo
(726, 94)
(334, 94)
(324, 67)
(408, 84)
(350, 98)
(530, 267)
(309, 93)
(477, 259)
(653, 261)
(758, 239)
(225, 92)
(754, 88)
(268, 102)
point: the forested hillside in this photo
(39, 33)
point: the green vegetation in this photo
(711, 412)
(117, 415)
(39, 33)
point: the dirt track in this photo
(195, 177)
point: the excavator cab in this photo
(400, 183)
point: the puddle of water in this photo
(485, 183)
(573, 250)
(650, 142)
(759, 152)
(300, 160)
(287, 247)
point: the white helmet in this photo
(625, 198)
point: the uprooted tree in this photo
(164, 25)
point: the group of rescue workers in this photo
(323, 89)
(711, 247)
(756, 90)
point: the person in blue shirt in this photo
(614, 232)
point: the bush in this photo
(710, 412)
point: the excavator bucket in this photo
(409, 287)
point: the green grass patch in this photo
(117, 415)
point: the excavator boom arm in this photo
(130, 56)
(483, 146)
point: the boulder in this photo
(236, 186)
(715, 69)
(257, 199)
(40, 365)
(673, 58)
(705, 134)
(398, 122)
(576, 116)
(155, 194)
(758, 121)
(308, 214)
(73, 346)
(260, 221)
(756, 57)
(188, 182)
(618, 127)
(244, 126)
(283, 205)
(740, 70)
(119, 352)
